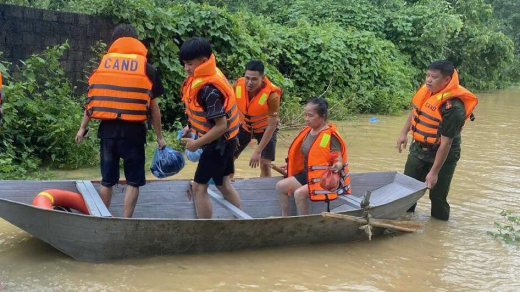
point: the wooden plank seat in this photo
(94, 203)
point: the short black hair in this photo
(255, 65)
(446, 67)
(322, 106)
(123, 30)
(195, 48)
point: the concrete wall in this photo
(26, 31)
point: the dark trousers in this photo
(418, 169)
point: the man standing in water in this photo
(259, 103)
(122, 94)
(439, 109)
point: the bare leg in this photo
(131, 195)
(229, 193)
(202, 201)
(301, 196)
(106, 195)
(265, 167)
(232, 175)
(285, 187)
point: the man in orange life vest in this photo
(212, 114)
(122, 94)
(439, 109)
(259, 103)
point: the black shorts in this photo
(301, 177)
(244, 137)
(132, 153)
(216, 164)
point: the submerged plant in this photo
(506, 230)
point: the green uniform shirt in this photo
(453, 116)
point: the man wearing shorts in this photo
(259, 103)
(122, 94)
(212, 113)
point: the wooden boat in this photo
(165, 220)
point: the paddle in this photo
(406, 226)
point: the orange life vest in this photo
(208, 73)
(427, 114)
(120, 88)
(253, 113)
(317, 160)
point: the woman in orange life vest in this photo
(308, 159)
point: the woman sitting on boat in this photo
(308, 158)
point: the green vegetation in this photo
(364, 56)
(41, 120)
(370, 54)
(506, 230)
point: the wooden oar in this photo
(406, 226)
(277, 169)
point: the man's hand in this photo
(80, 135)
(401, 142)
(191, 144)
(431, 179)
(185, 132)
(337, 166)
(160, 143)
(255, 159)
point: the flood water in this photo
(444, 256)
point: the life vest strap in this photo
(414, 129)
(419, 121)
(117, 99)
(192, 119)
(318, 167)
(120, 88)
(119, 112)
(197, 113)
(257, 122)
(254, 117)
(198, 130)
(230, 111)
(231, 130)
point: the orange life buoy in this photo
(54, 197)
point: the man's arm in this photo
(403, 139)
(82, 128)
(156, 122)
(272, 121)
(211, 100)
(213, 134)
(440, 158)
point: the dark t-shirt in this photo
(453, 116)
(211, 100)
(113, 129)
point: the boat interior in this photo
(169, 199)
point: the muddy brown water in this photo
(452, 256)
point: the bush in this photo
(41, 119)
(506, 230)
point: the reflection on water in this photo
(452, 256)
